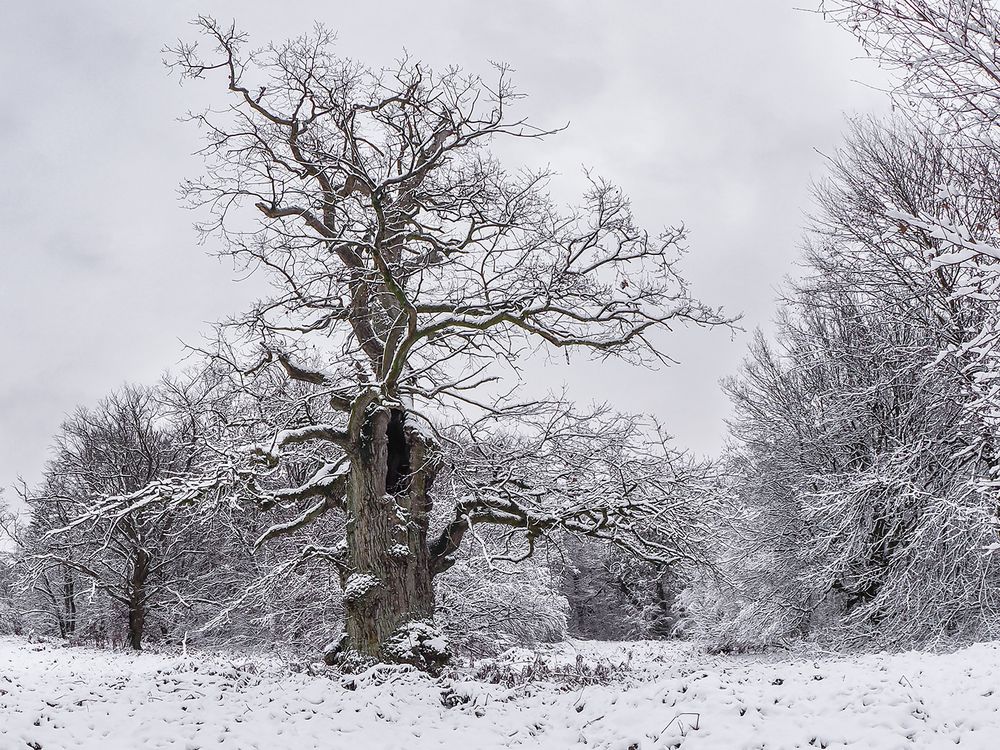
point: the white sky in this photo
(708, 113)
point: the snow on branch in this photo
(271, 451)
(955, 235)
(329, 483)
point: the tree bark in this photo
(388, 585)
(137, 599)
(69, 603)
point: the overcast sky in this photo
(708, 113)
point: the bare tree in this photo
(943, 53)
(134, 558)
(415, 270)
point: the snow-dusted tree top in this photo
(945, 55)
(399, 246)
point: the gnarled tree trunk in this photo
(388, 591)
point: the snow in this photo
(660, 696)
(415, 641)
(358, 586)
(399, 551)
(959, 236)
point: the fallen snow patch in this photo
(661, 696)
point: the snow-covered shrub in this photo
(522, 666)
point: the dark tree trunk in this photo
(388, 591)
(137, 599)
(136, 623)
(663, 619)
(69, 605)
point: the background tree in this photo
(137, 558)
(616, 596)
(411, 272)
(945, 55)
(862, 478)
(11, 592)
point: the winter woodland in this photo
(347, 505)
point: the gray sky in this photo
(706, 113)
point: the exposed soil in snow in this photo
(660, 696)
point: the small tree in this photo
(136, 557)
(415, 270)
(10, 619)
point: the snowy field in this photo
(662, 696)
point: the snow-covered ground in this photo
(666, 696)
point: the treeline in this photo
(863, 467)
(86, 568)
